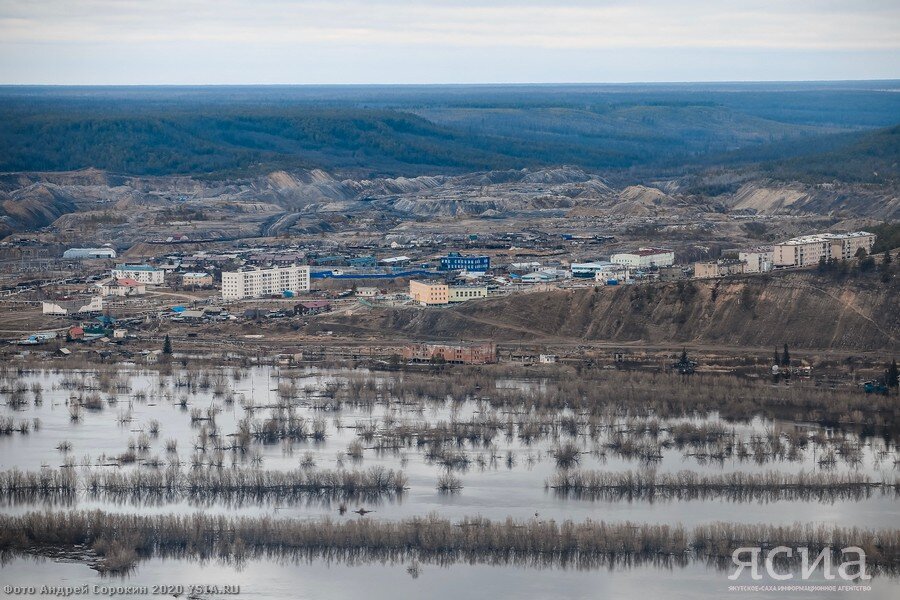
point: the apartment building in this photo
(258, 282)
(644, 258)
(757, 260)
(429, 293)
(718, 268)
(144, 273)
(845, 246)
(807, 250)
(122, 287)
(196, 279)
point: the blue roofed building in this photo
(458, 262)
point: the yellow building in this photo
(429, 293)
(461, 293)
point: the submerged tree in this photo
(892, 377)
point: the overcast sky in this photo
(445, 41)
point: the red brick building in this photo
(462, 353)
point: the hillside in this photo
(873, 157)
(801, 309)
(376, 131)
(32, 207)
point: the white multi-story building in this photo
(644, 258)
(807, 250)
(257, 282)
(612, 272)
(143, 273)
(758, 260)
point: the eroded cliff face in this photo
(845, 200)
(801, 310)
(33, 200)
(32, 207)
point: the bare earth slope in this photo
(802, 310)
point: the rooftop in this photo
(597, 264)
(128, 282)
(824, 237)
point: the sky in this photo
(157, 42)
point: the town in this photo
(94, 298)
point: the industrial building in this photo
(807, 250)
(524, 267)
(258, 282)
(600, 271)
(362, 261)
(86, 253)
(143, 273)
(460, 353)
(644, 258)
(590, 269)
(757, 260)
(457, 262)
(543, 276)
(429, 293)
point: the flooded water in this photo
(505, 477)
(318, 579)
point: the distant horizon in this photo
(445, 42)
(698, 82)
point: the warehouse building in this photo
(87, 253)
(590, 269)
(644, 258)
